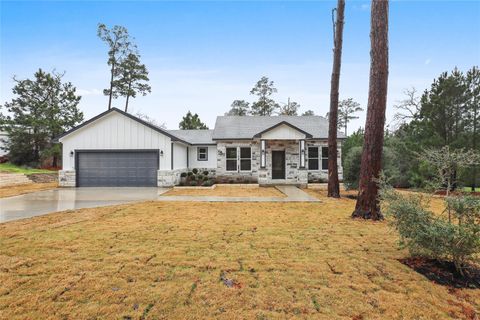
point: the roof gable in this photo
(276, 131)
(103, 114)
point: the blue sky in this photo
(203, 55)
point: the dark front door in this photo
(278, 164)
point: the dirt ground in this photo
(161, 260)
(16, 190)
(228, 191)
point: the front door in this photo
(278, 164)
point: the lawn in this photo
(161, 260)
(9, 167)
(16, 190)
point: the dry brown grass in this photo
(164, 260)
(227, 191)
(16, 190)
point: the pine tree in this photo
(265, 106)
(192, 121)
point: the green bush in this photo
(351, 168)
(200, 177)
(193, 183)
(189, 173)
(207, 183)
(455, 238)
(205, 173)
(183, 175)
(195, 171)
(205, 178)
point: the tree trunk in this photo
(111, 86)
(128, 97)
(367, 206)
(474, 144)
(333, 183)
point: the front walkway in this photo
(293, 194)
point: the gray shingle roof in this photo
(194, 136)
(246, 127)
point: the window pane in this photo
(312, 164)
(246, 165)
(245, 153)
(232, 153)
(231, 165)
(325, 164)
(312, 152)
(324, 152)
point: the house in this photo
(3, 143)
(118, 149)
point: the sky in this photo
(203, 55)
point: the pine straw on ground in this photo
(160, 260)
(19, 189)
(227, 191)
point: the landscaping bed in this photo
(226, 191)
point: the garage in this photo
(117, 168)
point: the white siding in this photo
(3, 140)
(116, 131)
(283, 132)
(179, 156)
(193, 158)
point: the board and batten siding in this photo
(115, 131)
(283, 132)
(179, 156)
(211, 163)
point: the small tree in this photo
(265, 106)
(289, 109)
(447, 161)
(408, 108)
(346, 110)
(308, 113)
(192, 121)
(43, 108)
(132, 79)
(120, 46)
(239, 108)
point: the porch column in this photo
(301, 146)
(263, 154)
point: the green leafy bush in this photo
(183, 175)
(351, 168)
(195, 171)
(205, 173)
(193, 183)
(454, 238)
(189, 173)
(200, 177)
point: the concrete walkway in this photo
(293, 194)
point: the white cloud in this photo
(365, 6)
(427, 61)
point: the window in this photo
(202, 153)
(312, 158)
(245, 159)
(231, 159)
(324, 158)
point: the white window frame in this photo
(321, 157)
(239, 153)
(199, 153)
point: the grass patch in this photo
(469, 189)
(16, 190)
(275, 260)
(228, 191)
(10, 167)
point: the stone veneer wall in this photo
(67, 178)
(317, 176)
(293, 173)
(169, 178)
(224, 176)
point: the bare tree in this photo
(367, 206)
(333, 183)
(407, 108)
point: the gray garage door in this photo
(117, 168)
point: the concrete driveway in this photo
(43, 202)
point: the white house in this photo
(118, 149)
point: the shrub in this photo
(193, 183)
(200, 177)
(192, 178)
(205, 178)
(195, 171)
(189, 173)
(205, 173)
(351, 168)
(183, 175)
(456, 238)
(207, 183)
